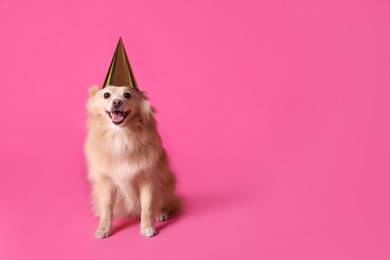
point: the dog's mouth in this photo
(118, 117)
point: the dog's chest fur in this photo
(125, 154)
(118, 143)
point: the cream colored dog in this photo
(128, 167)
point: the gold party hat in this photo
(120, 73)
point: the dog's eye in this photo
(106, 95)
(127, 95)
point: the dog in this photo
(128, 167)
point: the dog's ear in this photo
(93, 90)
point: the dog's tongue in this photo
(117, 116)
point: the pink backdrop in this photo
(275, 115)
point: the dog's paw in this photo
(103, 232)
(148, 231)
(162, 217)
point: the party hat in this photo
(120, 73)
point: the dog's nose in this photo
(117, 103)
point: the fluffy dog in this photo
(127, 165)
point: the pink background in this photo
(275, 115)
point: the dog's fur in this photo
(128, 167)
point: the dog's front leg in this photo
(104, 194)
(147, 207)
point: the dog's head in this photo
(118, 105)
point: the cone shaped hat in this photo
(120, 73)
